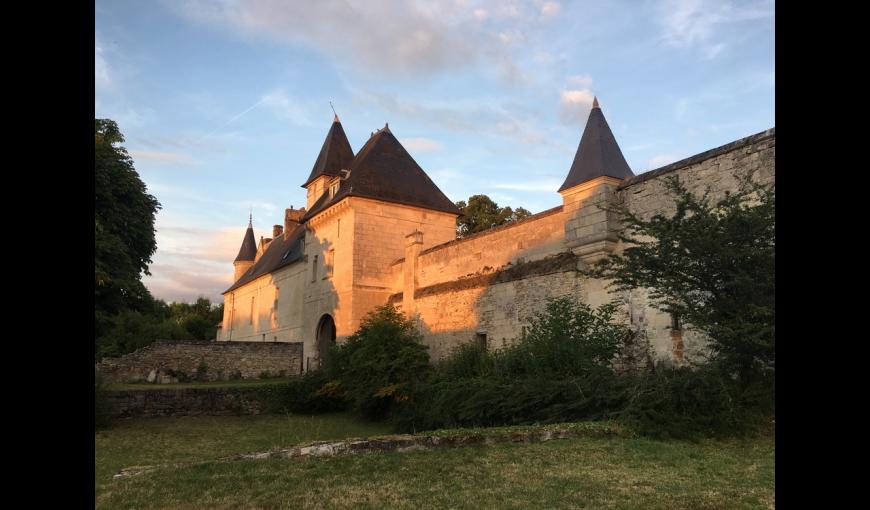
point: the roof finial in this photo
(251, 217)
(595, 102)
(333, 111)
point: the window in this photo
(675, 322)
(330, 261)
(333, 189)
(480, 339)
(314, 270)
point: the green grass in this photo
(241, 383)
(624, 472)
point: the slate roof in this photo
(598, 153)
(248, 251)
(383, 170)
(335, 154)
(279, 253)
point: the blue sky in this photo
(225, 104)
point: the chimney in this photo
(277, 230)
(291, 219)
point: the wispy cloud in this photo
(421, 144)
(163, 157)
(660, 161)
(540, 185)
(574, 106)
(102, 79)
(702, 23)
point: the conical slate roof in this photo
(248, 251)
(598, 153)
(383, 170)
(335, 154)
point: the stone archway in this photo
(325, 337)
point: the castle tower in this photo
(247, 253)
(598, 168)
(335, 155)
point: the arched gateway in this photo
(325, 336)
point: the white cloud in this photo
(550, 8)
(660, 161)
(421, 145)
(574, 106)
(583, 81)
(481, 14)
(163, 157)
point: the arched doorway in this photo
(325, 337)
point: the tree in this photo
(376, 368)
(124, 238)
(481, 213)
(712, 264)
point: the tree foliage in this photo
(378, 365)
(712, 264)
(482, 213)
(124, 238)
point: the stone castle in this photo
(377, 230)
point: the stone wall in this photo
(183, 402)
(162, 361)
(472, 287)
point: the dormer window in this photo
(333, 189)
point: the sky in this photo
(225, 104)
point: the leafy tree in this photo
(482, 213)
(378, 365)
(712, 264)
(124, 238)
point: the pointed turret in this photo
(335, 154)
(247, 253)
(598, 153)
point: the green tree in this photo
(482, 213)
(712, 264)
(377, 367)
(124, 238)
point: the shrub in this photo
(376, 368)
(102, 407)
(567, 339)
(302, 395)
(685, 403)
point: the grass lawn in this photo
(581, 473)
(241, 383)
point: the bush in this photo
(686, 403)
(302, 395)
(376, 368)
(102, 408)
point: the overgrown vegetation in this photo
(713, 265)
(102, 408)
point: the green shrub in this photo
(378, 365)
(684, 403)
(102, 407)
(568, 339)
(302, 395)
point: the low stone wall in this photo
(167, 362)
(183, 402)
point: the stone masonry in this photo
(162, 361)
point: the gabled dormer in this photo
(335, 155)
